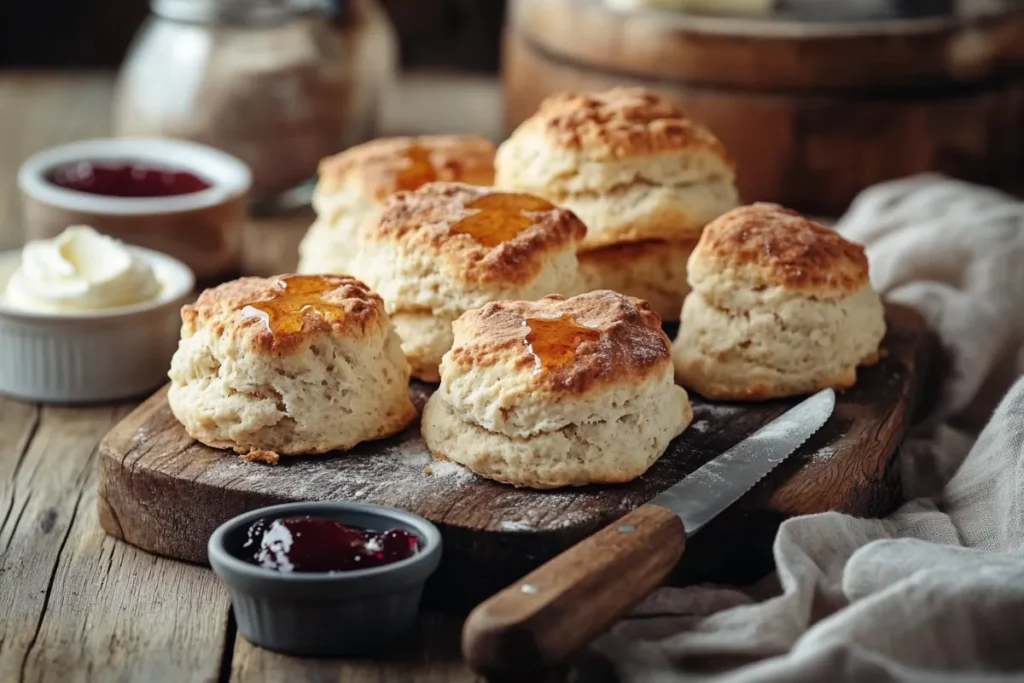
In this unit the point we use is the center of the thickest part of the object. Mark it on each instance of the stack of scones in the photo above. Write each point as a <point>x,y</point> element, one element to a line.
<point>530,284</point>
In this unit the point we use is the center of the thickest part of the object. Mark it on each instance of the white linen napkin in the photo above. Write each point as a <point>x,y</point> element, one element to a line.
<point>935,592</point>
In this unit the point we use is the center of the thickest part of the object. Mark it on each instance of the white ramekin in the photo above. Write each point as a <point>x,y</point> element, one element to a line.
<point>93,356</point>
<point>203,229</point>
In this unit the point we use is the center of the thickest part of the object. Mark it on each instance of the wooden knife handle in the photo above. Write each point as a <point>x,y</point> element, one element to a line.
<point>545,617</point>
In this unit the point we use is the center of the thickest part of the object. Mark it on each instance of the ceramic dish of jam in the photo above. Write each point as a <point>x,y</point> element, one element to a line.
<point>176,197</point>
<point>325,579</point>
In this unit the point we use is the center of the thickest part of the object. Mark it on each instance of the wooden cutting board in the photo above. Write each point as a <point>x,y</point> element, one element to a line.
<point>164,492</point>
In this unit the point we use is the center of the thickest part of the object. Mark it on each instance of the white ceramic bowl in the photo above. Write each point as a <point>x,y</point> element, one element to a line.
<point>93,356</point>
<point>203,229</point>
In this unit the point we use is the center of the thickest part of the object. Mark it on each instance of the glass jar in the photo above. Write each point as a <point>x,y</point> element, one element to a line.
<point>278,83</point>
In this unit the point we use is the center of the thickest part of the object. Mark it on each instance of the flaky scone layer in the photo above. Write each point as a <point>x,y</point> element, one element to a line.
<point>494,376</point>
<point>628,162</point>
<point>780,306</point>
<point>324,377</point>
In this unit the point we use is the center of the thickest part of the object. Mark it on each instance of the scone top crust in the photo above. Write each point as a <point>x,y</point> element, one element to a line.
<point>511,236</point>
<point>581,344</point>
<point>618,124</point>
<point>384,166</point>
<point>767,245</point>
<point>279,315</point>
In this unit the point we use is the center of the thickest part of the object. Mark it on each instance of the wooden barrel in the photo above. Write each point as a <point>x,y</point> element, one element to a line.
<point>812,111</point>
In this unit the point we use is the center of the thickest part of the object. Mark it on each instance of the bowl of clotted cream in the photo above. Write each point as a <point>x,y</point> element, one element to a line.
<point>173,196</point>
<point>86,318</point>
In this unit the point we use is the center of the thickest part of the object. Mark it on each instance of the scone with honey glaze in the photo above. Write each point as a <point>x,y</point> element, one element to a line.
<point>446,248</point>
<point>292,364</point>
<point>654,270</point>
<point>780,306</point>
<point>353,184</point>
<point>558,392</point>
<point>628,162</point>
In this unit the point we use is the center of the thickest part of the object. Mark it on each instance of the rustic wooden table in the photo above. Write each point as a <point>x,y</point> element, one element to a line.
<point>78,605</point>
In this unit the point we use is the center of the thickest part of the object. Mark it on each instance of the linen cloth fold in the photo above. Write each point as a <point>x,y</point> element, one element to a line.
<point>935,592</point>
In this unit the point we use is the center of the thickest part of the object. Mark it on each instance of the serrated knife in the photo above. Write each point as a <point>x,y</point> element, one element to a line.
<point>543,618</point>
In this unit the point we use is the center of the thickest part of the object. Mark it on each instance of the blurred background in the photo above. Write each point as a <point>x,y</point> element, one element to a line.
<point>461,34</point>
<point>815,99</point>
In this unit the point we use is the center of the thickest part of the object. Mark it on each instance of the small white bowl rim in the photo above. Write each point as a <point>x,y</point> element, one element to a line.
<point>228,176</point>
<point>179,285</point>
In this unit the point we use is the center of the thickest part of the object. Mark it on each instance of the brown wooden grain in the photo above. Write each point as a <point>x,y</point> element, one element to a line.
<point>127,614</point>
<point>429,655</point>
<point>541,620</point>
<point>49,480</point>
<point>21,610</point>
<point>166,493</point>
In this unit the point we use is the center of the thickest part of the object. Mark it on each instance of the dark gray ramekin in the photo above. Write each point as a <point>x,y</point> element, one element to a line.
<point>322,614</point>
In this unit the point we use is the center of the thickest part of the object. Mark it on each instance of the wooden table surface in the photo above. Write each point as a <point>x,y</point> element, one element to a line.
<point>78,605</point>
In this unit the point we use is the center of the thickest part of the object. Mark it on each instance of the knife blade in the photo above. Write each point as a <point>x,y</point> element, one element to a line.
<point>545,617</point>
<point>708,491</point>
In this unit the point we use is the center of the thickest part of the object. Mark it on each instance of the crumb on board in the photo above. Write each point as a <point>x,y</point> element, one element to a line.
<point>428,470</point>
<point>261,456</point>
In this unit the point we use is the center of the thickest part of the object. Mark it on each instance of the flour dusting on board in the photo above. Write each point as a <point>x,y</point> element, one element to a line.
<point>823,454</point>
<point>716,412</point>
<point>390,472</point>
<point>448,469</point>
<point>410,453</point>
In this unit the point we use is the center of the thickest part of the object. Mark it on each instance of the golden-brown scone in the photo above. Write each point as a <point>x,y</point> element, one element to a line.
<point>729,7</point>
<point>628,162</point>
<point>291,364</point>
<point>557,392</point>
<point>654,270</point>
<point>353,184</point>
<point>780,306</point>
<point>446,248</point>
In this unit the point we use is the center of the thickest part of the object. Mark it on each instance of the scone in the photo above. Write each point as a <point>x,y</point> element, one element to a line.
<point>291,364</point>
<point>654,271</point>
<point>780,306</point>
<point>629,163</point>
<point>730,7</point>
<point>354,183</point>
<point>558,392</point>
<point>446,248</point>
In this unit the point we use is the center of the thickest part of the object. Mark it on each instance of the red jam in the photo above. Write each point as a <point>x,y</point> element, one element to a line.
<point>125,179</point>
<point>317,544</point>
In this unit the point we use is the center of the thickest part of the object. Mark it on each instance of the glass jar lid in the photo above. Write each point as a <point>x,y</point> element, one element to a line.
<point>238,11</point>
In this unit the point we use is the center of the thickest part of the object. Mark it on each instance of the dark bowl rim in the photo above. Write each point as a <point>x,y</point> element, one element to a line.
<point>219,555</point>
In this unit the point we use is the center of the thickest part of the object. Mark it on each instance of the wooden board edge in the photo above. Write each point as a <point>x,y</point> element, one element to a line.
<point>895,427</point>
<point>112,445</point>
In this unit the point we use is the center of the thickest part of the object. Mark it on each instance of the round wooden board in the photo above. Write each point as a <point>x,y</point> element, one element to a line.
<point>165,493</point>
<point>775,53</point>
